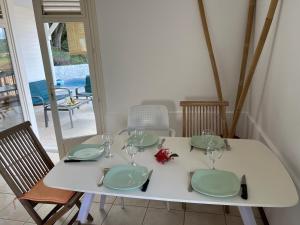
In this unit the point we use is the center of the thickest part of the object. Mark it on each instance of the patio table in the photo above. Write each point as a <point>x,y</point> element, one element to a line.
<point>269,184</point>
<point>65,107</point>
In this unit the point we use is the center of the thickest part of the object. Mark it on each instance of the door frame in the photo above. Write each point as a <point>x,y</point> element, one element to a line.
<point>21,81</point>
<point>88,18</point>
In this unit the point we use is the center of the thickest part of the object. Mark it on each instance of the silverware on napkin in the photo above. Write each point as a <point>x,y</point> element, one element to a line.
<point>78,160</point>
<point>145,185</point>
<point>190,188</point>
<point>244,191</point>
<point>227,145</point>
<point>100,182</point>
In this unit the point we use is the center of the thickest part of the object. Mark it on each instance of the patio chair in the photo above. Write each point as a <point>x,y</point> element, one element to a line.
<point>87,89</point>
<point>23,164</point>
<point>203,115</point>
<point>154,118</point>
<point>40,96</point>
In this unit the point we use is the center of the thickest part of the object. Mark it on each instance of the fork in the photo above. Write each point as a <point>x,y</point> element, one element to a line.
<point>159,146</point>
<point>105,170</point>
<point>190,188</point>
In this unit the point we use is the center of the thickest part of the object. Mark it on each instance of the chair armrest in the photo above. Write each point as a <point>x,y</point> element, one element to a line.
<point>65,89</point>
<point>40,98</point>
<point>172,132</point>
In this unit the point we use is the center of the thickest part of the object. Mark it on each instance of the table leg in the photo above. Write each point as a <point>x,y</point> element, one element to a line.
<point>85,207</point>
<point>46,117</point>
<point>247,215</point>
<point>71,120</point>
<point>102,201</point>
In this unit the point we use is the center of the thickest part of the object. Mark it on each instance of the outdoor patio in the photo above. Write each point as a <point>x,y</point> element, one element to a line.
<point>83,120</point>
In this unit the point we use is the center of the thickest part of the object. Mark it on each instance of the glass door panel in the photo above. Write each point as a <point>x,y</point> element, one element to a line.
<point>71,81</point>
<point>10,107</point>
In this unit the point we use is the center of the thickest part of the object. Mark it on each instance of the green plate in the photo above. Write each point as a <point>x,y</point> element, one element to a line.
<point>215,183</point>
<point>144,140</point>
<point>125,177</point>
<point>86,152</point>
<point>203,140</point>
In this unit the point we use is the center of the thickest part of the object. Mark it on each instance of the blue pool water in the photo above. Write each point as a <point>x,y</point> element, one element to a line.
<point>72,83</point>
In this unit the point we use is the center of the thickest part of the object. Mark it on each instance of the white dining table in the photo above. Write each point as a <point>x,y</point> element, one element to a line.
<point>269,184</point>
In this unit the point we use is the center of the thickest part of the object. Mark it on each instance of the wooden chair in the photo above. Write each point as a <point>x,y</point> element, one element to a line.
<point>23,164</point>
<point>203,115</point>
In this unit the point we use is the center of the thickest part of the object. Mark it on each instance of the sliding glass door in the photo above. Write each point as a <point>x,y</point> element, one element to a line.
<point>10,107</point>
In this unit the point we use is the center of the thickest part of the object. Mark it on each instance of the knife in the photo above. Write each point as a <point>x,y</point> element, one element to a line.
<point>145,185</point>
<point>244,191</point>
<point>78,160</point>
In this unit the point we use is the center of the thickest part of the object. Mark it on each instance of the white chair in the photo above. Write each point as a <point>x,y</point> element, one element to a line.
<point>153,118</point>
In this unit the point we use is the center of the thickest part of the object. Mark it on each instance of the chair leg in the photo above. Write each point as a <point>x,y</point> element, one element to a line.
<point>102,201</point>
<point>73,219</point>
<point>89,217</point>
<point>226,209</point>
<point>184,206</point>
<point>122,203</point>
<point>46,117</point>
<point>56,216</point>
<point>85,207</point>
<point>168,206</point>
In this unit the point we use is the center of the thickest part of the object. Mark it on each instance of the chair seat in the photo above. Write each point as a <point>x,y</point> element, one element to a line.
<point>41,193</point>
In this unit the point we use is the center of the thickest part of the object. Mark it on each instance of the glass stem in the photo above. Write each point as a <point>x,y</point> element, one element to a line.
<point>213,164</point>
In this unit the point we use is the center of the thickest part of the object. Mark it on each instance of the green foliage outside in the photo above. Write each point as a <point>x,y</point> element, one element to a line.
<point>3,46</point>
<point>62,56</point>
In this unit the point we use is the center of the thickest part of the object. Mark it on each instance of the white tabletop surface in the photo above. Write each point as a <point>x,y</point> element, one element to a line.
<point>269,184</point>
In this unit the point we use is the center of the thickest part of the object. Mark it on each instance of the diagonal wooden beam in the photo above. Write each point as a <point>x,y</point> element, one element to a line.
<point>257,54</point>
<point>212,61</point>
<point>250,20</point>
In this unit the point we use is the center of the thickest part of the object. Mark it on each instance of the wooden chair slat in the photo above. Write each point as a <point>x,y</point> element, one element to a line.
<point>203,115</point>
<point>28,159</point>
<point>24,163</point>
<point>37,161</point>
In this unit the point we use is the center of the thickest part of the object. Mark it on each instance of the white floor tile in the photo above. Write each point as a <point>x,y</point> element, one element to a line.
<point>216,209</point>
<point>5,200</point>
<point>235,220</point>
<point>99,215</point>
<point>132,202</point>
<point>19,213</point>
<point>10,222</point>
<point>129,216</point>
<point>163,217</point>
<point>192,218</point>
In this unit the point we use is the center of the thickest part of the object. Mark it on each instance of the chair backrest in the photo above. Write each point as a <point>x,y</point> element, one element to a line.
<point>148,117</point>
<point>203,115</point>
<point>87,86</point>
<point>23,161</point>
<point>39,88</point>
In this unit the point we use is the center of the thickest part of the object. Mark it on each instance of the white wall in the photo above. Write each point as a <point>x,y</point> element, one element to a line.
<point>155,52</point>
<point>25,33</point>
<point>274,106</point>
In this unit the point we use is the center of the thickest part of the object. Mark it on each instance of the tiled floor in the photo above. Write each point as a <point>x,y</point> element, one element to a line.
<point>136,212</point>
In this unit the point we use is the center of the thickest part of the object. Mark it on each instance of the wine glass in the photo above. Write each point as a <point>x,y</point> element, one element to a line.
<point>131,151</point>
<point>213,152</point>
<point>138,137</point>
<point>108,141</point>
